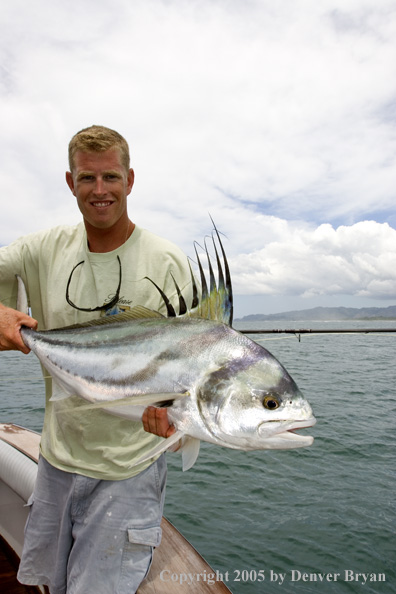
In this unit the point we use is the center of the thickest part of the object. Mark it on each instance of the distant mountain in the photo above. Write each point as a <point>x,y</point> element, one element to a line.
<point>328,314</point>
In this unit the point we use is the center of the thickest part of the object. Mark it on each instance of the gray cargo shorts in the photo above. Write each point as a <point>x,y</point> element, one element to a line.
<point>85,535</point>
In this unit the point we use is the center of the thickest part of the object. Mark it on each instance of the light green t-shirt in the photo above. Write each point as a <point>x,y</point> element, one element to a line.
<point>93,443</point>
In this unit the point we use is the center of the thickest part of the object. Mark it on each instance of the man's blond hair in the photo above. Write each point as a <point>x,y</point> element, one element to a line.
<point>98,139</point>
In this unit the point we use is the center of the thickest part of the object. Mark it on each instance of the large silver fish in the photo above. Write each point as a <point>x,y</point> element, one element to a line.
<point>219,386</point>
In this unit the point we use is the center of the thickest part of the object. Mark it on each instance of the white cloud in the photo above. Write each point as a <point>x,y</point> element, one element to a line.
<point>357,260</point>
<point>274,117</point>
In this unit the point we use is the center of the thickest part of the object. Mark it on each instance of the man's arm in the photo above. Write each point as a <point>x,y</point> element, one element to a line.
<point>11,321</point>
<point>12,262</point>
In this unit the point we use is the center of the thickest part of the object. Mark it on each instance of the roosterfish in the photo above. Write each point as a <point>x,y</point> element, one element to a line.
<point>218,385</point>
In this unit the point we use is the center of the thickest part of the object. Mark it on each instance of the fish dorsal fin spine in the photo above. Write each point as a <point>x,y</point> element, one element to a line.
<point>214,303</point>
<point>169,307</point>
<point>182,302</point>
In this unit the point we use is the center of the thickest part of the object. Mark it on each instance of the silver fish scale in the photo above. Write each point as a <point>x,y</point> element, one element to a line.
<point>146,356</point>
<point>141,356</point>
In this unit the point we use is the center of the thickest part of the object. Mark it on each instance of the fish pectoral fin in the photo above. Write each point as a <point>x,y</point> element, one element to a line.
<point>58,392</point>
<point>160,448</point>
<point>157,399</point>
<point>162,399</point>
<point>190,452</point>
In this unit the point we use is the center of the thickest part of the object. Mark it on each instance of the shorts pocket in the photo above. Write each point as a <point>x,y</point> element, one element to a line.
<point>145,536</point>
<point>137,557</point>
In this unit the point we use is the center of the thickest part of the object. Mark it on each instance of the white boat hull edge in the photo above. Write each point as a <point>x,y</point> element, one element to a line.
<point>17,478</point>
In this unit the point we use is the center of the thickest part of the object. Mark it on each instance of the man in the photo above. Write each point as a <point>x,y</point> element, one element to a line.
<point>94,521</point>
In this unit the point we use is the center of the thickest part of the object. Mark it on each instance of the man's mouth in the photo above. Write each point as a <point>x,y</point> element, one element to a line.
<point>102,204</point>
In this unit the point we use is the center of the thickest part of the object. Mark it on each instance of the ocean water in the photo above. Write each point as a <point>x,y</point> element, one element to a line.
<point>318,519</point>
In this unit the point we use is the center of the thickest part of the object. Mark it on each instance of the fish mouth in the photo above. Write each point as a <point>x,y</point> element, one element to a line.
<point>285,436</point>
<point>291,433</point>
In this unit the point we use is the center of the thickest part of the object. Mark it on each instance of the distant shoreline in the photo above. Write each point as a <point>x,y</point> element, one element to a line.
<point>327,314</point>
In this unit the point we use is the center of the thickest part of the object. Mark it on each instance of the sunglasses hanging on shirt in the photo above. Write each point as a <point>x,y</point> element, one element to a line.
<point>103,307</point>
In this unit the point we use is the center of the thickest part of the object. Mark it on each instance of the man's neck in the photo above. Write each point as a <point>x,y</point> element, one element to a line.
<point>107,240</point>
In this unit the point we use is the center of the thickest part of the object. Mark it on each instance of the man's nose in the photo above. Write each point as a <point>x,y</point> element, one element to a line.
<point>100,186</point>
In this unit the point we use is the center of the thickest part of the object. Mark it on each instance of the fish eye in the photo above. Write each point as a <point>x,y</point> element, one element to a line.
<point>271,402</point>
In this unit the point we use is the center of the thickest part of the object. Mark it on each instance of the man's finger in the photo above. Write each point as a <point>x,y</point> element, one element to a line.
<point>155,420</point>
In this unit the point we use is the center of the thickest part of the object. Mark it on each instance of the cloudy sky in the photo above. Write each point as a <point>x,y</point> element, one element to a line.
<point>277,117</point>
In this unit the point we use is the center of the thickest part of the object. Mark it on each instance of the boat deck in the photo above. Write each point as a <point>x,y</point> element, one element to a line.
<point>8,567</point>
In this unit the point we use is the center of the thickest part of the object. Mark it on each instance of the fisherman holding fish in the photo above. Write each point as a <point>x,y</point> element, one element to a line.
<point>97,505</point>
<point>94,517</point>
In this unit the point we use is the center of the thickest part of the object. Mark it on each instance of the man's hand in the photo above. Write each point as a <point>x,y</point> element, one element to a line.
<point>155,420</point>
<point>11,321</point>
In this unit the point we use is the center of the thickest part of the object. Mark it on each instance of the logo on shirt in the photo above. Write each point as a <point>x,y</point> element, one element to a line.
<point>122,305</point>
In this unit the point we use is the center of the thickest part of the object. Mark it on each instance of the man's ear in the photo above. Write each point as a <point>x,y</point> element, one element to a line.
<point>70,181</point>
<point>131,179</point>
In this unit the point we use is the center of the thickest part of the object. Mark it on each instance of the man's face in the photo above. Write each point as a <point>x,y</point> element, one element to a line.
<point>101,185</point>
